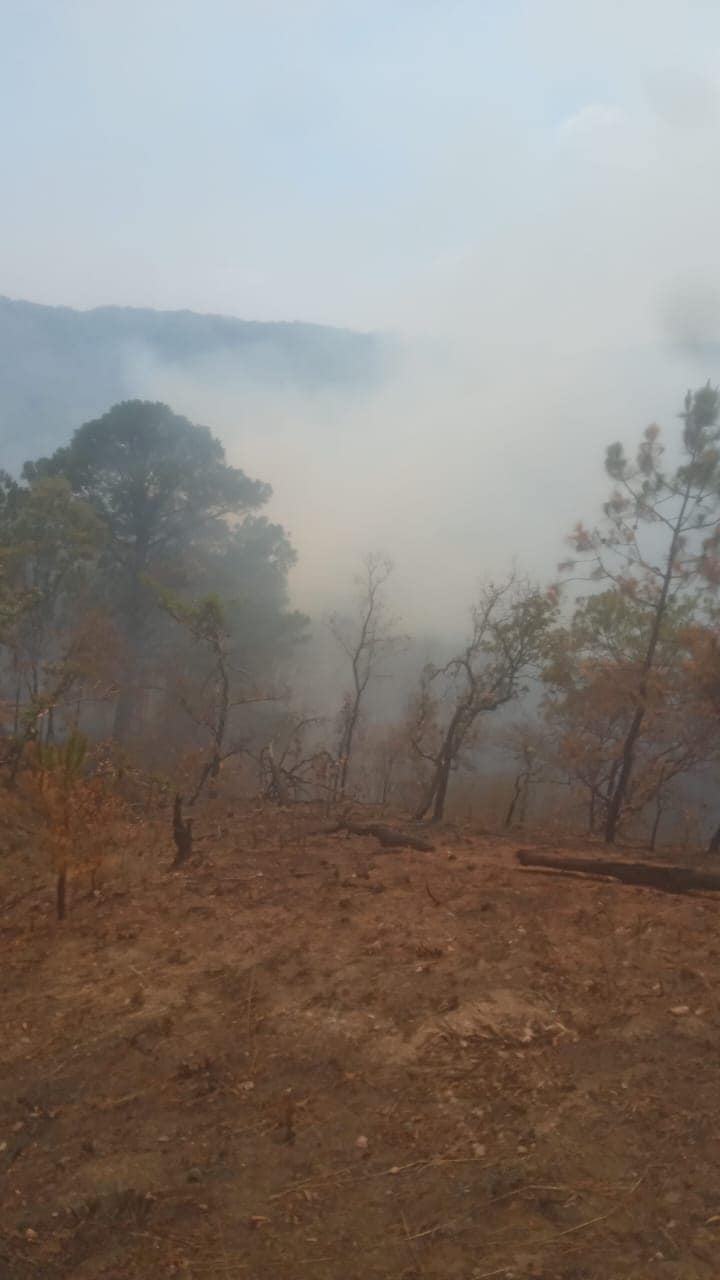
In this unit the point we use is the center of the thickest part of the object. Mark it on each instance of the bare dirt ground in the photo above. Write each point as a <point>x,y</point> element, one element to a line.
<point>302,1057</point>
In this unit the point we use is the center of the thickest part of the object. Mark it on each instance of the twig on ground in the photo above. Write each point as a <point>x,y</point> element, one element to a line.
<point>569,1231</point>
<point>419,1235</point>
<point>582,1226</point>
<point>298,1186</point>
<point>413,1251</point>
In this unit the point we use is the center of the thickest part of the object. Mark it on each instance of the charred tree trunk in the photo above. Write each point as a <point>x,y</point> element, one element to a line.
<point>668,879</point>
<point>436,794</point>
<point>278,788</point>
<point>659,811</point>
<point>29,735</point>
<point>388,837</point>
<point>441,789</point>
<point>617,799</point>
<point>211,769</point>
<point>182,833</point>
<point>16,755</point>
<point>205,773</point>
<point>617,795</point>
<point>519,787</point>
<point>346,748</point>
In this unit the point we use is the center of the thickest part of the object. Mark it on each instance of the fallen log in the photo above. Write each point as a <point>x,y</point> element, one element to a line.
<point>653,875</point>
<point>388,837</point>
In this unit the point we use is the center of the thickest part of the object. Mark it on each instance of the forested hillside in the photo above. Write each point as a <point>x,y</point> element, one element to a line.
<point>59,366</point>
<point>144,605</point>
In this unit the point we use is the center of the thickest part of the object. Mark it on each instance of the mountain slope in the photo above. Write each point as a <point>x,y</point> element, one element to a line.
<point>60,367</point>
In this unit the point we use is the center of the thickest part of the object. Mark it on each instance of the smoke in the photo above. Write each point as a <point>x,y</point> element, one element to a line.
<point>467,461</point>
<point>528,199</point>
<point>545,247</point>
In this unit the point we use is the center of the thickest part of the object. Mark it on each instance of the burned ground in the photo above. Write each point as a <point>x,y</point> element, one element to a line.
<point>301,1056</point>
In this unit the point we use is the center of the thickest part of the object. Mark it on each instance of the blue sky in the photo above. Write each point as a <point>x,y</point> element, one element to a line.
<point>338,161</point>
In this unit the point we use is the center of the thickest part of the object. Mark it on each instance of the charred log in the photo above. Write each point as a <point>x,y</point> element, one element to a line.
<point>667,879</point>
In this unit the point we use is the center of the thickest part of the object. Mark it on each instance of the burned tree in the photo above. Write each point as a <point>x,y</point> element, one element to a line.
<point>367,642</point>
<point>592,677</point>
<point>526,747</point>
<point>507,639</point>
<point>678,510</point>
<point>220,688</point>
<point>291,767</point>
<point>182,833</point>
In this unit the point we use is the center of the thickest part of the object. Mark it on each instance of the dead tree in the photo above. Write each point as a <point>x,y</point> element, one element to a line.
<point>182,833</point>
<point>210,708</point>
<point>524,744</point>
<point>288,769</point>
<point>520,787</point>
<point>277,788</point>
<point>509,628</point>
<point>367,643</point>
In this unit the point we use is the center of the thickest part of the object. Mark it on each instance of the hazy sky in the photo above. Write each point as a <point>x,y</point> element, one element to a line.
<point>534,185</point>
<point>362,161</point>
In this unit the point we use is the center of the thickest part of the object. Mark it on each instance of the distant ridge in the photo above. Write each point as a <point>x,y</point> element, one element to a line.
<point>60,366</point>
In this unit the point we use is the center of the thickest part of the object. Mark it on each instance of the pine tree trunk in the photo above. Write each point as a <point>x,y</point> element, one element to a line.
<point>617,798</point>
<point>514,799</point>
<point>182,833</point>
<point>617,795</point>
<point>441,788</point>
<point>656,827</point>
<point>347,746</point>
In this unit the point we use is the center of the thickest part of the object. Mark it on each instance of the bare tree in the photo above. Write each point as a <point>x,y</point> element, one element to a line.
<point>387,751</point>
<point>211,707</point>
<point>291,766</point>
<point>367,641</point>
<point>526,746</point>
<point>509,627</point>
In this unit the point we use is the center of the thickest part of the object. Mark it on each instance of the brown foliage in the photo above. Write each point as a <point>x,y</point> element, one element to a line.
<point>85,819</point>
